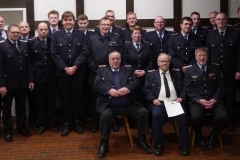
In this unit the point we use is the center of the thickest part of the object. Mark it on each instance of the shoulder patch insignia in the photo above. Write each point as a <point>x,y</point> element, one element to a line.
<point>215,64</point>
<point>175,69</point>
<point>127,66</point>
<point>101,66</point>
<point>151,70</point>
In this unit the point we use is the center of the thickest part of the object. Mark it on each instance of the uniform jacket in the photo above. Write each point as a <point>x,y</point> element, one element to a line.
<point>158,46</point>
<point>89,33</point>
<point>69,51</point>
<point>115,29</point>
<point>126,34</point>
<point>104,82</point>
<point>42,63</point>
<point>139,59</point>
<point>152,84</point>
<point>200,86</point>
<point>202,32</point>
<point>50,34</point>
<point>100,48</point>
<point>226,51</point>
<point>182,51</point>
<point>15,69</point>
<point>237,25</point>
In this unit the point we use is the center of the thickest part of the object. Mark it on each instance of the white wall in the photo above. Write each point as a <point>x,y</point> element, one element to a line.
<point>233,6</point>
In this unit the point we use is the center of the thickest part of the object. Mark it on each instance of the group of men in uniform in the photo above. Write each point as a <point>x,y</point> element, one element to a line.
<point>63,58</point>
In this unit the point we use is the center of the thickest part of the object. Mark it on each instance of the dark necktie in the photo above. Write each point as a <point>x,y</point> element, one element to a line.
<point>221,33</point>
<point>116,80</point>
<point>54,30</point>
<point>137,46</point>
<point>193,30</point>
<point>160,36</point>
<point>43,42</point>
<point>166,85</point>
<point>185,37</point>
<point>0,33</point>
<point>103,38</point>
<point>203,70</point>
<point>16,46</point>
<point>69,34</point>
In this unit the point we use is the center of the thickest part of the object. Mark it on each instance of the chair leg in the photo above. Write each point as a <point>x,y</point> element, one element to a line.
<point>220,140</point>
<point>193,136</point>
<point>127,129</point>
<point>175,126</point>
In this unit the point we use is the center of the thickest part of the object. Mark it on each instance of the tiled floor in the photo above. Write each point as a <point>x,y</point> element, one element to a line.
<point>85,146</point>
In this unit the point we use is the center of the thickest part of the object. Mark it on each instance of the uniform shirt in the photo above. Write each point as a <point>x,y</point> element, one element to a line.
<point>4,34</point>
<point>222,31</point>
<point>185,35</point>
<point>56,28</point>
<point>158,33</point>
<point>135,44</point>
<point>162,94</point>
<point>26,38</point>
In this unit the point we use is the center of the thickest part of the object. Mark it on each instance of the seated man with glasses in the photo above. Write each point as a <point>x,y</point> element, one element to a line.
<point>165,84</point>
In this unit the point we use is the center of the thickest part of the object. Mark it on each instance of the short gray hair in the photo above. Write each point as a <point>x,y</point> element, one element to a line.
<point>160,54</point>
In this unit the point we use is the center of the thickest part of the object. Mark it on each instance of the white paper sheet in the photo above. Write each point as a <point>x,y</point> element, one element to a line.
<point>173,108</point>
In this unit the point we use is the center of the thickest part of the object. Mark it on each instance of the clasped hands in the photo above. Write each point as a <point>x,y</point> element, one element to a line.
<point>118,93</point>
<point>156,102</point>
<point>207,104</point>
<point>139,73</point>
<point>70,70</point>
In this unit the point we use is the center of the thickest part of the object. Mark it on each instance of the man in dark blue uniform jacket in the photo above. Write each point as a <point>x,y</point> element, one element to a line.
<point>116,87</point>
<point>205,89</point>
<point>159,38</point>
<point>69,51</point>
<point>155,92</point>
<point>45,78</point>
<point>15,79</point>
<point>224,49</point>
<point>183,44</point>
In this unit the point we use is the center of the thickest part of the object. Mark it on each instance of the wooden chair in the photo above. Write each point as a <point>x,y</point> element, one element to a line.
<point>127,129</point>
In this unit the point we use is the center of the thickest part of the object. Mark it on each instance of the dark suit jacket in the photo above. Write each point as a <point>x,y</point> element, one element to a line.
<point>152,84</point>
<point>42,63</point>
<point>226,51</point>
<point>99,51</point>
<point>69,51</point>
<point>104,82</point>
<point>89,33</point>
<point>200,86</point>
<point>15,67</point>
<point>182,51</point>
<point>126,34</point>
<point>158,46</point>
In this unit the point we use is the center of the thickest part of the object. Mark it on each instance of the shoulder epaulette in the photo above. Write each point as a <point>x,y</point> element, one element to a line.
<point>127,42</point>
<point>127,66</point>
<point>235,29</point>
<point>211,30</point>
<point>151,70</point>
<point>123,28</point>
<point>101,66</point>
<point>175,69</point>
<point>235,24</point>
<point>31,38</point>
<point>215,64</point>
<point>97,26</point>
<point>118,26</point>
<point>146,42</point>
<point>2,41</point>
<point>116,34</point>
<point>23,41</point>
<point>174,34</point>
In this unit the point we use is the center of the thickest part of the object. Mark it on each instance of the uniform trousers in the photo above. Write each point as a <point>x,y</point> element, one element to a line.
<point>158,119</point>
<point>71,94</point>
<point>20,96</point>
<point>197,117</point>
<point>45,94</point>
<point>32,118</point>
<point>136,112</point>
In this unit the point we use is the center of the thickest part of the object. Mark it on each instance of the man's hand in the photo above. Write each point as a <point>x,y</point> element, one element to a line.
<point>179,100</point>
<point>156,102</point>
<point>203,102</point>
<point>123,91</point>
<point>31,86</point>
<point>3,91</point>
<point>237,76</point>
<point>211,103</point>
<point>113,92</point>
<point>138,73</point>
<point>184,68</point>
<point>71,70</point>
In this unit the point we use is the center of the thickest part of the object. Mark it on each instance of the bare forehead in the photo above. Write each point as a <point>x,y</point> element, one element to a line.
<point>42,25</point>
<point>221,15</point>
<point>110,13</point>
<point>23,24</point>
<point>105,21</point>
<point>159,18</point>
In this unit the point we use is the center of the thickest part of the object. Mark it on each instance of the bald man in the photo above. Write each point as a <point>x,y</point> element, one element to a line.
<point>158,44</point>
<point>44,76</point>
<point>24,29</point>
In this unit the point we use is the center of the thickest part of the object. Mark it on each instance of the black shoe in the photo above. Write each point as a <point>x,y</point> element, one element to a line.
<point>54,128</point>
<point>8,137</point>
<point>142,144</point>
<point>66,130</point>
<point>211,143</point>
<point>231,126</point>
<point>33,124</point>
<point>158,150</point>
<point>24,132</point>
<point>184,150</point>
<point>201,144</point>
<point>1,131</point>
<point>95,128</point>
<point>103,149</point>
<point>78,128</point>
<point>41,130</point>
<point>115,127</point>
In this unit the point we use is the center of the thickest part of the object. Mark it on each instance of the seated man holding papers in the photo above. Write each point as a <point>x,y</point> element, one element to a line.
<point>165,84</point>
<point>205,89</point>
